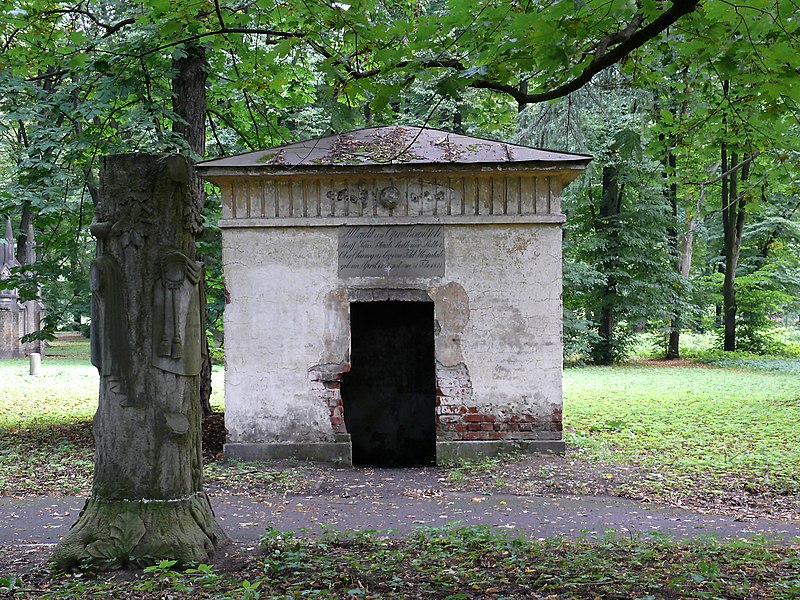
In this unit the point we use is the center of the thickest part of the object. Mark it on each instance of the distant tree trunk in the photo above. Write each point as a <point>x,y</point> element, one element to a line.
<point>686,246</point>
<point>189,103</point>
<point>674,342</point>
<point>147,498</point>
<point>733,217</point>
<point>604,351</point>
<point>22,238</point>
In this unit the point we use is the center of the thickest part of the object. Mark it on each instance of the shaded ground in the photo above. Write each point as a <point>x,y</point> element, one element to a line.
<point>734,495</point>
<point>738,496</point>
<point>411,556</point>
<point>537,497</point>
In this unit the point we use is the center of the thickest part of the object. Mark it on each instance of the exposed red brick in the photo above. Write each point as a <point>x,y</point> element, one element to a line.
<point>473,418</point>
<point>487,427</point>
<point>473,409</point>
<point>489,418</point>
<point>473,426</point>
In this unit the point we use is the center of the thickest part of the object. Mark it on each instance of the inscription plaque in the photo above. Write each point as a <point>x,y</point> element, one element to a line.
<point>391,251</point>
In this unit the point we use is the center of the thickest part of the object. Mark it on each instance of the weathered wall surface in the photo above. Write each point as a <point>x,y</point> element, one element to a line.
<point>498,336</point>
<point>505,383</point>
<point>378,196</point>
<point>276,329</point>
<point>18,319</point>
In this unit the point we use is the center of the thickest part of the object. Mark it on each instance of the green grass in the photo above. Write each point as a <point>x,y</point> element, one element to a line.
<point>701,429</point>
<point>46,444</point>
<point>724,427</point>
<point>457,563</point>
<point>68,346</point>
<point>45,422</point>
<point>718,422</point>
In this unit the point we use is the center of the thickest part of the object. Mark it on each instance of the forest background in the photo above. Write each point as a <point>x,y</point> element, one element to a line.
<point>688,219</point>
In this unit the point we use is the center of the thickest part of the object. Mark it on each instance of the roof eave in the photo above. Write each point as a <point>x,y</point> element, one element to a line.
<point>574,167</point>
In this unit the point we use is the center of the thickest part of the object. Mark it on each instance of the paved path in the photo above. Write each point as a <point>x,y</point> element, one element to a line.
<point>42,520</point>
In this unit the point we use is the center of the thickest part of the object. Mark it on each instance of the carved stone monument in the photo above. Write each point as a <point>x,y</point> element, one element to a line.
<point>18,318</point>
<point>147,325</point>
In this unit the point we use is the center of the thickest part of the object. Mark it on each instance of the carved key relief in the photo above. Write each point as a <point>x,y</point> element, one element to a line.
<point>415,198</point>
<point>178,308</point>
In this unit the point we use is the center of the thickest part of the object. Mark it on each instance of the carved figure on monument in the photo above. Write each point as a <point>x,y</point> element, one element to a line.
<point>109,327</point>
<point>178,314</point>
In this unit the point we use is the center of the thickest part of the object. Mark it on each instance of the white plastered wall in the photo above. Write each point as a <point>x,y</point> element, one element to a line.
<point>288,314</point>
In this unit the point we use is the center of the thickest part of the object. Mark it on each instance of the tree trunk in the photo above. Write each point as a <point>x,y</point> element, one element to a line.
<point>25,225</point>
<point>147,498</point>
<point>733,217</point>
<point>604,351</point>
<point>674,342</point>
<point>189,103</point>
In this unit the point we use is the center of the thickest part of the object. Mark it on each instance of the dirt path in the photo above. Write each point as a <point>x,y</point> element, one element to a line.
<point>405,499</point>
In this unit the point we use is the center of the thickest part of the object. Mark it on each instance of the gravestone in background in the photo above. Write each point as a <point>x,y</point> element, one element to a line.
<point>147,499</point>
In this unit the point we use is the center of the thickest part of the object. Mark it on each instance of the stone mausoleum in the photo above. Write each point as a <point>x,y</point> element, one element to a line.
<point>394,297</point>
<point>18,317</point>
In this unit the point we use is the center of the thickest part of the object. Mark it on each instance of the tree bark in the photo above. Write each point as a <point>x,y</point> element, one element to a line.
<point>674,341</point>
<point>604,351</point>
<point>733,217</point>
<point>189,103</point>
<point>147,498</point>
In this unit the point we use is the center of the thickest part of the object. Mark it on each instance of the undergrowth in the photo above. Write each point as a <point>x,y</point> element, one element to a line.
<point>454,563</point>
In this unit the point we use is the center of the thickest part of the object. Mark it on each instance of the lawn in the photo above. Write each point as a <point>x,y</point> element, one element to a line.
<point>682,432</point>
<point>46,444</point>
<point>698,422</point>
<point>727,428</point>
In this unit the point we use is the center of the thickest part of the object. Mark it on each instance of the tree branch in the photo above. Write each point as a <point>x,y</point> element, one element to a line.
<point>624,42</point>
<point>629,40</point>
<point>736,167</point>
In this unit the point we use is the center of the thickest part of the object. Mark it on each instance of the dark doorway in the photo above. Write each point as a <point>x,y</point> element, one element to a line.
<point>389,395</point>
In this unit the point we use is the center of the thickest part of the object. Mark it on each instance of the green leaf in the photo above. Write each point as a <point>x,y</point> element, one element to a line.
<point>127,530</point>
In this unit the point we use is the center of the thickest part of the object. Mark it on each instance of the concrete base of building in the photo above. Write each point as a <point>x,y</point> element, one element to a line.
<point>341,452</point>
<point>457,451</point>
<point>335,452</point>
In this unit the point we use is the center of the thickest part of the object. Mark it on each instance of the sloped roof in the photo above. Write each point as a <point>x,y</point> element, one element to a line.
<point>396,145</point>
